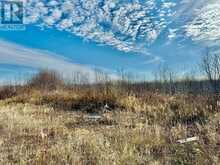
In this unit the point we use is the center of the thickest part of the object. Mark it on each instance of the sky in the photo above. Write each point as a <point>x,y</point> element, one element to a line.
<point>110,35</point>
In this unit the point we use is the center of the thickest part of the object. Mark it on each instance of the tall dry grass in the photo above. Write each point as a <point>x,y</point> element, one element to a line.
<point>41,125</point>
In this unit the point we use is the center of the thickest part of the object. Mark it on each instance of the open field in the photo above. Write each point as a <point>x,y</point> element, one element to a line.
<point>110,82</point>
<point>94,125</point>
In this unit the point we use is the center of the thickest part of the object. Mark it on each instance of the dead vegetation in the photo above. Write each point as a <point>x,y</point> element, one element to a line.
<point>54,123</point>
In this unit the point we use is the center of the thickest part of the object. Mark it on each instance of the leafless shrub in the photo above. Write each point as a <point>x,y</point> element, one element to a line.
<point>46,79</point>
<point>7,92</point>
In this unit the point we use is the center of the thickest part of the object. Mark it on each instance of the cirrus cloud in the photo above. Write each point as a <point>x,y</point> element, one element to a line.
<point>20,56</point>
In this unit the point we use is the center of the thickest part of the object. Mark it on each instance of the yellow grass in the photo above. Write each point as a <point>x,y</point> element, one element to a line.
<point>43,129</point>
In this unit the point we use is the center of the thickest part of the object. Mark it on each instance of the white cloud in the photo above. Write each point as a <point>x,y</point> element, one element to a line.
<point>14,54</point>
<point>117,23</point>
<point>125,25</point>
<point>205,26</point>
<point>172,34</point>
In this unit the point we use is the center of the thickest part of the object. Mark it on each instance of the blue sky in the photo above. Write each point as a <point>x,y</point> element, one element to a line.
<point>133,35</point>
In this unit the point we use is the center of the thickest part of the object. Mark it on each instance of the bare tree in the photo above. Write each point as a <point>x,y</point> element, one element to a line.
<point>211,66</point>
<point>101,76</point>
<point>167,78</point>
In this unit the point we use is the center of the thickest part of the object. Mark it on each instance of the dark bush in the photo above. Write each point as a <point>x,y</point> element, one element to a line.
<point>46,79</point>
<point>7,92</point>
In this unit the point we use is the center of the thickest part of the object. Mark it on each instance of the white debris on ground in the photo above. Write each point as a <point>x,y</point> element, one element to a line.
<point>191,139</point>
<point>93,117</point>
<point>106,107</point>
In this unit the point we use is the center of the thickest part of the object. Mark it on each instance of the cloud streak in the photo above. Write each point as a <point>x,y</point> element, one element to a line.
<point>13,54</point>
<point>127,25</point>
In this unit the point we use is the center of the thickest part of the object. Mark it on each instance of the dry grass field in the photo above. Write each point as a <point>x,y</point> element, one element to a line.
<point>105,125</point>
